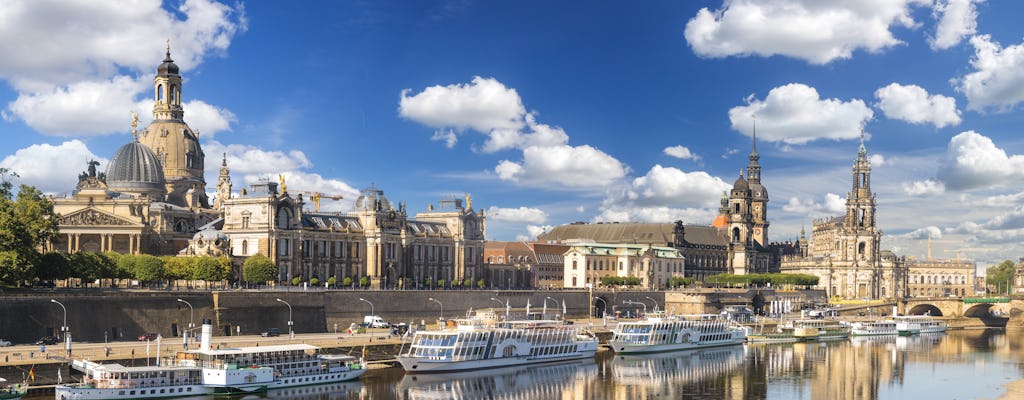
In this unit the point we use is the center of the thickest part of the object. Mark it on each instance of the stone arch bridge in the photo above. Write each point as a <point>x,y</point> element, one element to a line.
<point>971,307</point>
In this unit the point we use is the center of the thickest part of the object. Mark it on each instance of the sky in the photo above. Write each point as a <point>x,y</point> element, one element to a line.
<point>547,113</point>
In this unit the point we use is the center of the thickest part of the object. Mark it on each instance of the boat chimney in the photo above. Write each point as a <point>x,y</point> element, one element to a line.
<point>205,335</point>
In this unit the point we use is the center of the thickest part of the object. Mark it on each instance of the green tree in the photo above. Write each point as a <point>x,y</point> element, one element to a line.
<point>125,264</point>
<point>89,267</point>
<point>34,213</point>
<point>364,281</point>
<point>209,269</point>
<point>296,281</point>
<point>480,283</point>
<point>53,266</point>
<point>1000,277</point>
<point>314,281</point>
<point>25,225</point>
<point>331,281</point>
<point>468,282</point>
<point>178,267</point>
<point>258,269</point>
<point>16,267</point>
<point>347,282</point>
<point>149,269</point>
<point>440,283</point>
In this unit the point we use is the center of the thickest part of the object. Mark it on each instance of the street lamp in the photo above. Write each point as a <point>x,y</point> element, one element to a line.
<point>556,304</point>
<point>506,308</point>
<point>438,303</point>
<point>636,302</point>
<point>368,302</point>
<point>64,328</point>
<point>290,332</point>
<point>191,313</point>
<point>655,303</point>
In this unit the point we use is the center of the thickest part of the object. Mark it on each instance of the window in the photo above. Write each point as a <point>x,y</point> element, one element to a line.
<point>159,97</point>
<point>245,247</point>
<point>573,264</point>
<point>284,218</point>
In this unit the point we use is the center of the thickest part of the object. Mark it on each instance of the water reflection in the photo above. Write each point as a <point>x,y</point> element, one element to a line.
<point>537,382</point>
<point>958,364</point>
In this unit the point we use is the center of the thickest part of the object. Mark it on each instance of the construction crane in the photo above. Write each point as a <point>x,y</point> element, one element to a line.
<point>316,196</point>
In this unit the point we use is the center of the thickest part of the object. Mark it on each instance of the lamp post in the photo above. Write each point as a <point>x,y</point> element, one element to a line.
<point>506,307</point>
<point>438,303</point>
<point>368,302</point>
<point>636,302</point>
<point>64,328</point>
<point>552,299</point>
<point>291,333</point>
<point>191,313</point>
<point>655,303</point>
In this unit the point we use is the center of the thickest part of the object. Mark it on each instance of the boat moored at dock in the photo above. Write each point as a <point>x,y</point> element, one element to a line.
<point>873,328</point>
<point>684,332</point>
<point>915,324</point>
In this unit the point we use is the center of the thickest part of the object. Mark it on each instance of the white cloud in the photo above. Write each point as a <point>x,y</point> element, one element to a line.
<point>816,31</point>
<point>973,161</point>
<point>482,105</point>
<point>569,166</point>
<point>681,152</point>
<point>1002,201</point>
<point>50,168</point>
<point>998,78</point>
<point>927,187</point>
<point>671,186</point>
<point>91,60</point>
<point>447,136</point>
<point>923,233</point>
<point>661,214</point>
<point>521,214</point>
<point>796,114</point>
<point>252,160</point>
<point>913,104</point>
<point>957,19</point>
<point>830,204</point>
<point>536,230</point>
<point>876,160</point>
<point>301,182</point>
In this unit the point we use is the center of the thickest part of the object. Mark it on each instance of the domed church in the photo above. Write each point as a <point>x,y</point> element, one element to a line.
<point>152,198</point>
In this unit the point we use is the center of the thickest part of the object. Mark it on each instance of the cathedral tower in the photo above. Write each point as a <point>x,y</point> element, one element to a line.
<point>862,234</point>
<point>173,142</point>
<point>758,197</point>
<point>223,184</point>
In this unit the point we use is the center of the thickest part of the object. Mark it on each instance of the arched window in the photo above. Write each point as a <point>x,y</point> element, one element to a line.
<point>860,249</point>
<point>160,92</point>
<point>736,208</point>
<point>174,94</point>
<point>245,247</point>
<point>284,218</point>
<point>735,235</point>
<point>573,264</point>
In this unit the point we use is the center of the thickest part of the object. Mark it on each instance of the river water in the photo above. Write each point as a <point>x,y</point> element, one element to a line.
<point>956,365</point>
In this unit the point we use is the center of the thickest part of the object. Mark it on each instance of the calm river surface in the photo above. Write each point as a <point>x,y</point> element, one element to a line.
<point>956,365</point>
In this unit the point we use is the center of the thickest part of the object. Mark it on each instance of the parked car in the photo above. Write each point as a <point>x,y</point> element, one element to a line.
<point>48,340</point>
<point>271,332</point>
<point>5,343</point>
<point>148,336</point>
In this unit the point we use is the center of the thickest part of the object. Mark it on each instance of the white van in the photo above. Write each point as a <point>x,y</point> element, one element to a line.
<point>375,321</point>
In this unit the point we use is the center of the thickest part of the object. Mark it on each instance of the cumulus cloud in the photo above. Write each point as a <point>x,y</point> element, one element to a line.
<point>957,19</point>
<point>831,204</point>
<point>927,187</point>
<point>536,230</point>
<point>1001,201</point>
<point>301,182</point>
<point>668,185</point>
<point>796,114</point>
<point>998,78</point>
<point>815,31</point>
<point>973,161</point>
<point>252,160</point>
<point>91,61</point>
<point>520,214</point>
<point>923,233</point>
<point>699,216</point>
<point>487,106</point>
<point>876,160</point>
<point>52,168</point>
<point>913,104</point>
<point>681,152</point>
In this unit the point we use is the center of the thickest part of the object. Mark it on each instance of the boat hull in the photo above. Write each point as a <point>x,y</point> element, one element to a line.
<point>632,348</point>
<point>72,392</point>
<point>420,365</point>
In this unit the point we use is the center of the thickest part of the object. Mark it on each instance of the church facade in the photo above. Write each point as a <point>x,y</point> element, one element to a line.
<point>844,252</point>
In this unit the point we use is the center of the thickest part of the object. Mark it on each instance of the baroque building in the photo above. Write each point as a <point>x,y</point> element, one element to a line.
<point>844,252</point>
<point>587,263</point>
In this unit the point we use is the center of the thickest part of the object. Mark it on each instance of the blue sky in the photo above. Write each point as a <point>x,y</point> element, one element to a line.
<point>553,112</point>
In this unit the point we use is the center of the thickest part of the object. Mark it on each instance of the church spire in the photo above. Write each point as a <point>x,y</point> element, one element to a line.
<point>754,168</point>
<point>167,90</point>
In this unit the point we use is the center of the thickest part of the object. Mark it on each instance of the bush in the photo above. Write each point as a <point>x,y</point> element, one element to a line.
<point>347,281</point>
<point>481,284</point>
<point>331,281</point>
<point>364,281</point>
<point>296,281</point>
<point>314,281</point>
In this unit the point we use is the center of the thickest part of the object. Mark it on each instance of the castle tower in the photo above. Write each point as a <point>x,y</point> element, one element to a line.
<point>174,143</point>
<point>862,234</point>
<point>223,184</point>
<point>758,197</point>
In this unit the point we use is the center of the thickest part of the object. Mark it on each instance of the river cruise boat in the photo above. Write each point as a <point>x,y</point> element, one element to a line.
<point>11,392</point>
<point>915,324</point>
<point>873,328</point>
<point>209,371</point>
<point>818,329</point>
<point>468,344</point>
<point>685,332</point>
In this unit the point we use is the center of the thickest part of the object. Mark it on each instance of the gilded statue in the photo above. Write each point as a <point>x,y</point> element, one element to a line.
<point>284,187</point>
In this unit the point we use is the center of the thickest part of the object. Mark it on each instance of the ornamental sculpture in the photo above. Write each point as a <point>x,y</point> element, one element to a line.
<point>91,217</point>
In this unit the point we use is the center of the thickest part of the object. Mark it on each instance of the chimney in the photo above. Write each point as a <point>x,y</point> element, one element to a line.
<point>205,335</point>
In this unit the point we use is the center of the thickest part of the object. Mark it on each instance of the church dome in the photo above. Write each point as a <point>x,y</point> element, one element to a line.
<point>211,235</point>
<point>372,199</point>
<point>135,169</point>
<point>168,67</point>
<point>741,184</point>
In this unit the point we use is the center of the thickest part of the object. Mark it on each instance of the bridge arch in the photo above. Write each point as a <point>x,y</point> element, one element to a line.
<point>978,310</point>
<point>922,309</point>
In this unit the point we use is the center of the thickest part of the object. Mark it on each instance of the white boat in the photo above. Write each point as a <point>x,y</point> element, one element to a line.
<point>545,381</point>
<point>212,371</point>
<point>818,329</point>
<point>657,334</point>
<point>915,324</point>
<point>873,328</point>
<point>468,344</point>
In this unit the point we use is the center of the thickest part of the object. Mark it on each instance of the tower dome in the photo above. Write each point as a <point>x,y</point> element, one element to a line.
<point>136,170</point>
<point>372,199</point>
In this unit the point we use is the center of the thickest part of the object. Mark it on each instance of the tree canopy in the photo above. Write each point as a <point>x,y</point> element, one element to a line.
<point>259,269</point>
<point>1000,277</point>
<point>26,223</point>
